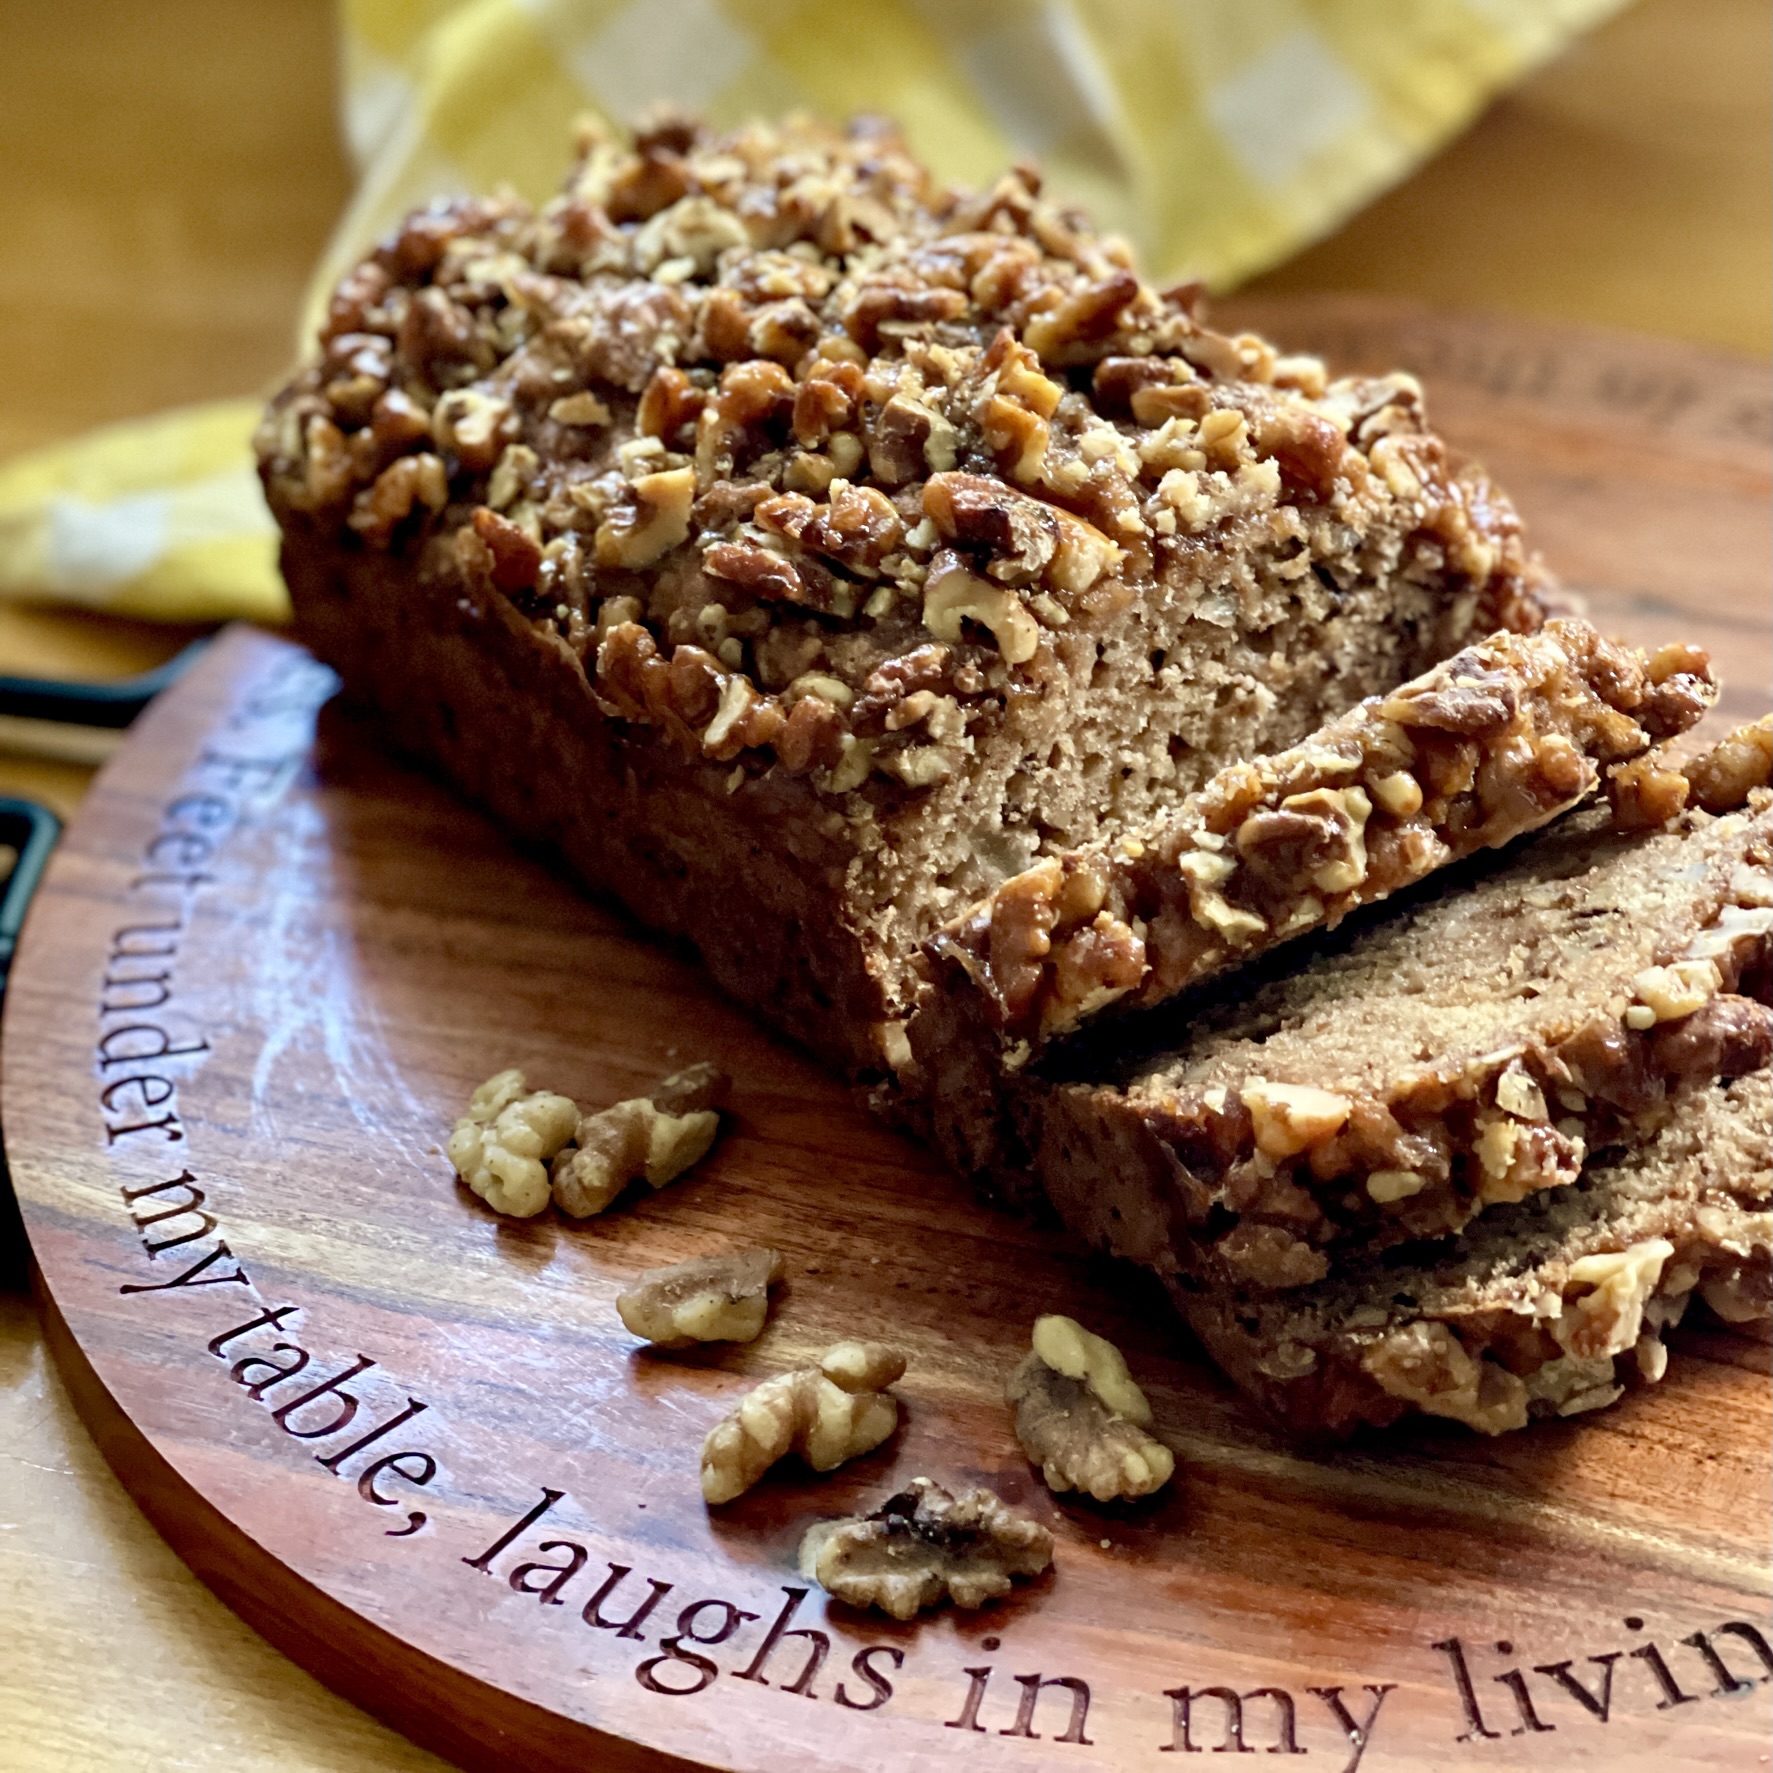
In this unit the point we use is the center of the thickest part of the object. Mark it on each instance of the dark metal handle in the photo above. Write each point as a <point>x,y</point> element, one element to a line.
<point>109,705</point>
<point>31,831</point>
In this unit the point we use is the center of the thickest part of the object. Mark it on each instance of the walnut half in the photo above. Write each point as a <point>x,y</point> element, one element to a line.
<point>500,1147</point>
<point>1081,1418</point>
<point>722,1298</point>
<point>655,1138</point>
<point>827,1414</point>
<point>925,1545</point>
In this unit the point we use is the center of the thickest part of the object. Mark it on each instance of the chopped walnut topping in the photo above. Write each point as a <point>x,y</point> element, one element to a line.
<point>1667,993</point>
<point>1646,792</point>
<point>1081,1418</point>
<point>1602,1310</point>
<point>474,425</point>
<point>636,535</point>
<point>1291,1118</point>
<point>952,595</point>
<point>514,556</point>
<point>654,1139</point>
<point>579,409</point>
<point>828,1414</point>
<point>782,364</point>
<point>1724,777</point>
<point>412,483</point>
<point>1426,1364</point>
<point>502,1145</point>
<point>924,1546</point>
<point>723,1298</point>
<point>1606,1317</point>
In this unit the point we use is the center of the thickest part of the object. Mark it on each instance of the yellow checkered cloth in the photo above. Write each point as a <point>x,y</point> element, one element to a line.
<point>1220,135</point>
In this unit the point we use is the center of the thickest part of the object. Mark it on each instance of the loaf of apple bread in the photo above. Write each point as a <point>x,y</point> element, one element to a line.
<point>800,548</point>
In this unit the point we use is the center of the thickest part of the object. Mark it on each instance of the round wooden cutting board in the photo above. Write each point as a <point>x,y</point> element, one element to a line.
<point>414,1446</point>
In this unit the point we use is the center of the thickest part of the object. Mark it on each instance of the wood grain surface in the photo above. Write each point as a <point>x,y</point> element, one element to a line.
<point>350,951</point>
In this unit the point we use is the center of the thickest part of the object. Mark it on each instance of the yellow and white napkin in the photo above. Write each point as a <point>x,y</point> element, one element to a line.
<point>1220,135</point>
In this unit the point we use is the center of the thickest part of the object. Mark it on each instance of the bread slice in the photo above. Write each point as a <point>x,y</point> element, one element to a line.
<point>1551,1306</point>
<point>1492,743</point>
<point>1464,1052</point>
<point>800,548</point>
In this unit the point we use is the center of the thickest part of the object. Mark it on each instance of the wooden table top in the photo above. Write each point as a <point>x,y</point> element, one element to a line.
<point>162,209</point>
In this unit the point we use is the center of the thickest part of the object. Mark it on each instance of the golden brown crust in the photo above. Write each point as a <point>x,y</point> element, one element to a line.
<point>809,415</point>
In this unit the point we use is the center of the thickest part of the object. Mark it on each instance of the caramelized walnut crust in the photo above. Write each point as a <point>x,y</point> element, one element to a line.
<point>1496,741</point>
<point>812,465</point>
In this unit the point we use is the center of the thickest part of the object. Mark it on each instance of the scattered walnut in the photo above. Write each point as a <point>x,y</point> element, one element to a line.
<point>500,1147</point>
<point>924,1545</point>
<point>722,1298</point>
<point>655,1138</point>
<point>828,1414</point>
<point>1081,1418</point>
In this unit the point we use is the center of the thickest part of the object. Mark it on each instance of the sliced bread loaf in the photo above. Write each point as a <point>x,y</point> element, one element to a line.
<point>1490,744</point>
<point>1465,1051</point>
<point>800,547</point>
<point>1551,1306</point>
